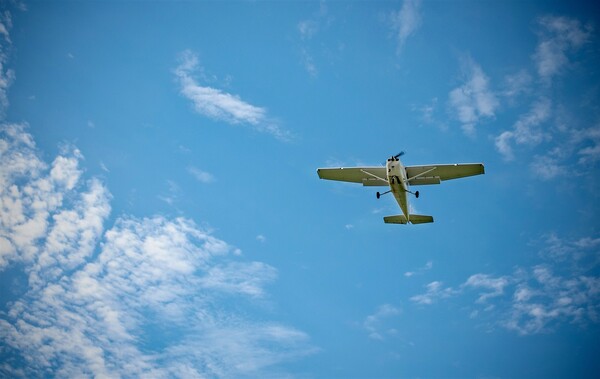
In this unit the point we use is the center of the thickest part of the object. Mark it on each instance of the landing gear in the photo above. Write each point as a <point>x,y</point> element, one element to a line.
<point>379,194</point>
<point>383,193</point>
<point>414,193</point>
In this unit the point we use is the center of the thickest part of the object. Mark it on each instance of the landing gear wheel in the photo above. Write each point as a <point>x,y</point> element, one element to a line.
<point>417,194</point>
<point>378,195</point>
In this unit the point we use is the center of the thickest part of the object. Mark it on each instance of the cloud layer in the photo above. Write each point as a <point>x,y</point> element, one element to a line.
<point>152,297</point>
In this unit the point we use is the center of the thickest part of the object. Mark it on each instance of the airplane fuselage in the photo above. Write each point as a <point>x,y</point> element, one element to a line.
<point>396,176</point>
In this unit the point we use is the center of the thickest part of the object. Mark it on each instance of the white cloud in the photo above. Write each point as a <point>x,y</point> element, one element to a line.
<point>308,62</point>
<point>557,37</point>
<point>428,111</point>
<point>587,242</point>
<point>406,21</point>
<point>435,291</point>
<point>219,105</point>
<point>589,141</point>
<point>240,278</point>
<point>547,167</point>
<point>5,26</point>
<point>428,114</point>
<point>590,154</point>
<point>153,299</point>
<point>527,130</point>
<point>494,285</point>
<point>562,250</point>
<point>377,324</point>
<point>533,300</point>
<point>34,209</point>
<point>473,101</point>
<point>308,29</point>
<point>428,266</point>
<point>173,193</point>
<point>544,299</point>
<point>516,84</point>
<point>563,141</point>
<point>7,75</point>
<point>200,175</point>
<point>103,167</point>
<point>503,145</point>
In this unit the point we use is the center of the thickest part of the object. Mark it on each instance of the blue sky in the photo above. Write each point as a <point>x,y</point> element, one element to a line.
<point>161,215</point>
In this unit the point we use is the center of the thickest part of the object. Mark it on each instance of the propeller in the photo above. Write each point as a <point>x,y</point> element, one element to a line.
<point>395,157</point>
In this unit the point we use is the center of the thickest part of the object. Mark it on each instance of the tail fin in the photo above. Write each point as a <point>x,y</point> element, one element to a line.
<point>413,219</point>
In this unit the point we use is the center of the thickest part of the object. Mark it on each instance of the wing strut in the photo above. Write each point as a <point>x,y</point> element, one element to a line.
<point>373,175</point>
<point>421,174</point>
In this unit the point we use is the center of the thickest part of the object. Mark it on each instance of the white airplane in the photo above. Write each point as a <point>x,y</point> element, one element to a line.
<point>398,177</point>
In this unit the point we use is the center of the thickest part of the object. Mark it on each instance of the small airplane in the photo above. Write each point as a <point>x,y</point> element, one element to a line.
<point>398,177</point>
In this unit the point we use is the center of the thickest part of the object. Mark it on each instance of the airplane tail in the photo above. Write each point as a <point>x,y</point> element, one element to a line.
<point>413,219</point>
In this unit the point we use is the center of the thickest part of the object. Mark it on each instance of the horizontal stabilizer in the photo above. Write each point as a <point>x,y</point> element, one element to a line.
<point>413,219</point>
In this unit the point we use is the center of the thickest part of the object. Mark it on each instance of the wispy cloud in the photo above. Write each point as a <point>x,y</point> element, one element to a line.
<point>516,84</point>
<point>147,297</point>
<point>7,75</point>
<point>405,22</point>
<point>527,130</point>
<point>473,101</point>
<point>588,141</point>
<point>548,166</point>
<point>308,29</point>
<point>201,175</point>
<point>429,114</point>
<point>494,286</point>
<point>533,300</point>
<point>543,299</point>
<point>556,139</point>
<point>435,291</point>
<point>557,37</point>
<point>308,62</point>
<point>219,105</point>
<point>172,194</point>
<point>378,324</point>
<point>428,266</point>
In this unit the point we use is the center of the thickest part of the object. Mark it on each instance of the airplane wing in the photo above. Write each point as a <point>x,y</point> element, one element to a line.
<point>368,176</point>
<point>434,174</point>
